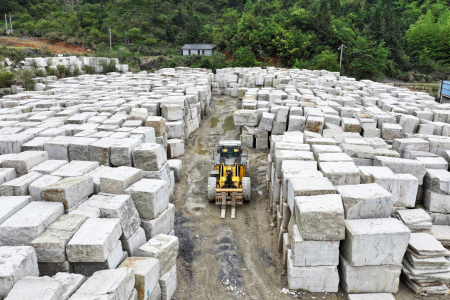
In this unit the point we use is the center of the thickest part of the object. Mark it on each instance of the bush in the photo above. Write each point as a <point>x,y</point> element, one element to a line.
<point>327,60</point>
<point>6,79</point>
<point>245,58</point>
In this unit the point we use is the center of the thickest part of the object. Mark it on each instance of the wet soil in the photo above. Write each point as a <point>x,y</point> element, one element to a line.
<point>230,258</point>
<point>41,43</point>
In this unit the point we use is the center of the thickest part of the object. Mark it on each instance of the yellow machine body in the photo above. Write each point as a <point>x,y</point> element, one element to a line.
<point>238,172</point>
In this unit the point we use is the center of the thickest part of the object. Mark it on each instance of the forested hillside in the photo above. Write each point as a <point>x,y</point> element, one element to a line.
<point>402,39</point>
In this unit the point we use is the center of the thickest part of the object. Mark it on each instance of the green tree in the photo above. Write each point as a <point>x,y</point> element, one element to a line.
<point>327,60</point>
<point>368,58</point>
<point>245,58</point>
<point>135,34</point>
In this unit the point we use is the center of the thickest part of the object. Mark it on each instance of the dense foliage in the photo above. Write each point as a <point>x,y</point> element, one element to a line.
<point>402,39</point>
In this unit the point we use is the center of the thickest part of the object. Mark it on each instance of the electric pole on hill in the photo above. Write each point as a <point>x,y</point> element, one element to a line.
<point>110,44</point>
<point>10,23</point>
<point>340,61</point>
<point>6,22</point>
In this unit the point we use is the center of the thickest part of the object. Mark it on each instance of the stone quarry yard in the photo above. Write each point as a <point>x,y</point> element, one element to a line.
<point>230,258</point>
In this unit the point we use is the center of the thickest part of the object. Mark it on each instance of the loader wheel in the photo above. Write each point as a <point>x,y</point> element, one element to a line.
<point>212,188</point>
<point>246,189</point>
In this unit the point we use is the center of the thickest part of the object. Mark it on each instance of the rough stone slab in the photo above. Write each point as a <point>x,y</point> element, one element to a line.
<point>334,157</point>
<point>175,148</point>
<point>245,117</point>
<point>163,224</point>
<point>371,242</point>
<point>69,283</point>
<point>42,288</point>
<point>158,123</point>
<point>150,196</point>
<point>433,162</point>
<point>402,166</point>
<point>168,283</point>
<point>24,161</point>
<point>313,253</point>
<point>156,294</point>
<point>321,279</point>
<point>149,157</point>
<point>28,223</point>
<point>19,186</point>
<point>425,244</point>
<point>135,241</point>
<point>50,269</point>
<point>97,173</point>
<point>320,218</point>
<point>121,152</point>
<point>146,274</point>
<point>119,179</point>
<point>287,176</point>
<point>76,168</point>
<point>340,173</point>
<point>70,191</point>
<point>122,207</point>
<point>16,263</point>
<point>281,155</point>
<point>58,147</point>
<point>437,181</point>
<point>365,201</point>
<point>7,174</point>
<point>35,188</point>
<point>369,279</point>
<point>373,296</point>
<point>115,284</point>
<point>50,245</point>
<point>36,144</point>
<point>91,207</point>
<point>435,202</point>
<point>9,205</point>
<point>49,166</point>
<point>94,240</point>
<point>115,257</point>
<point>163,247</point>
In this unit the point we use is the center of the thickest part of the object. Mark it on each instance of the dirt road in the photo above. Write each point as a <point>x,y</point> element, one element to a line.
<point>228,258</point>
<point>41,43</point>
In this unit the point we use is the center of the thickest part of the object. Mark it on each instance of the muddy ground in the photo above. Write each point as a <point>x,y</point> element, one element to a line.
<point>41,43</point>
<point>229,258</point>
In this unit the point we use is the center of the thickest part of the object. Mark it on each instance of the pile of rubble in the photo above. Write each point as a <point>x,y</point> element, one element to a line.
<point>357,177</point>
<point>86,180</point>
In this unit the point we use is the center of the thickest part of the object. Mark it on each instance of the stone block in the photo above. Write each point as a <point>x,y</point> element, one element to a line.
<point>108,284</point>
<point>79,148</point>
<point>175,148</point>
<point>100,151</point>
<point>433,162</point>
<point>266,121</point>
<point>119,179</point>
<point>437,181</point>
<point>135,241</point>
<point>150,196</point>
<point>50,269</point>
<point>351,125</point>
<point>175,130</point>
<point>318,149</point>
<point>310,187</point>
<point>50,245</point>
<point>410,144</point>
<point>94,240</point>
<point>121,207</point>
<point>163,224</point>
<point>147,134</point>
<point>372,242</point>
<point>281,155</point>
<point>115,257</point>
<point>49,166</point>
<point>313,253</point>
<point>434,202</point>
<point>365,201</point>
<point>369,279</point>
<point>42,288</point>
<point>320,218</point>
<point>70,191</point>
<point>371,296</point>
<point>402,166</point>
<point>391,131</point>
<point>69,283</point>
<point>245,117</point>
<point>76,168</point>
<point>409,123</point>
<point>121,152</point>
<point>172,112</point>
<point>10,205</point>
<point>19,186</point>
<point>340,173</point>
<point>158,123</point>
<point>168,283</point>
<point>140,114</point>
<point>35,188</point>
<point>58,147</point>
<point>334,157</point>
<point>146,274</point>
<point>21,262</point>
<point>321,279</point>
<point>24,161</point>
<point>176,165</point>
<point>164,248</point>
<point>36,144</point>
<point>28,223</point>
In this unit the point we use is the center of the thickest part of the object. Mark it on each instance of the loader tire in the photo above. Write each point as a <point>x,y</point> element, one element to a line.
<point>246,189</point>
<point>212,189</point>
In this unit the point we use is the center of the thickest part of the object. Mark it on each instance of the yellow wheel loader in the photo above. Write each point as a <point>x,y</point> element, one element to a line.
<point>229,183</point>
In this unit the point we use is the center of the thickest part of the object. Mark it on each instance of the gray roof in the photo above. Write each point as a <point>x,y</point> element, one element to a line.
<point>198,47</point>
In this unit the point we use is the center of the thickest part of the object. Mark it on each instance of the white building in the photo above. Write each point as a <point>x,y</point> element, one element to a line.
<point>199,49</point>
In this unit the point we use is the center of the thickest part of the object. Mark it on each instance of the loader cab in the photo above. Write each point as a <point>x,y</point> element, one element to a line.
<point>230,151</point>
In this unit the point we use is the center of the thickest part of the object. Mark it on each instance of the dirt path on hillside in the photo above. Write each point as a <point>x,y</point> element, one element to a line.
<point>42,44</point>
<point>229,258</point>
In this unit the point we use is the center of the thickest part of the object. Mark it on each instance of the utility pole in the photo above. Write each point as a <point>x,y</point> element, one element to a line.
<point>6,22</point>
<point>10,23</point>
<point>110,43</point>
<point>340,61</point>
